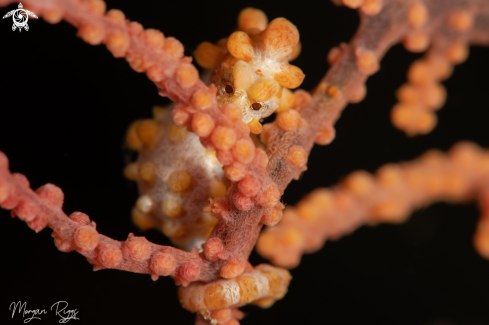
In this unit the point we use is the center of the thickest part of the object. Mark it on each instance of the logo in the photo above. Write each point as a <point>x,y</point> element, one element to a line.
<point>20,17</point>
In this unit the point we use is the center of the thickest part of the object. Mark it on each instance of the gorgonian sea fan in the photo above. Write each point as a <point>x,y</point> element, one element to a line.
<point>364,145</point>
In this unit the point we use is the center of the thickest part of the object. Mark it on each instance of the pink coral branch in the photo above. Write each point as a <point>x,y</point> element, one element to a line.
<point>43,208</point>
<point>388,196</point>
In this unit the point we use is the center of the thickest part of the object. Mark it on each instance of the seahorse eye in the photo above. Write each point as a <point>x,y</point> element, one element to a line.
<point>256,106</point>
<point>229,89</point>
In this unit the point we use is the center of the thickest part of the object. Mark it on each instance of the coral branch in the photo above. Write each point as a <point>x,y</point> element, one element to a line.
<point>43,208</point>
<point>459,25</point>
<point>389,196</point>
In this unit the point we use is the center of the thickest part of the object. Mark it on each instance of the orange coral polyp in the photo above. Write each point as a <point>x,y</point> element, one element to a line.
<point>244,151</point>
<point>271,217</point>
<point>288,120</point>
<point>110,256</point>
<point>416,42</point>
<point>203,99</point>
<point>270,197</point>
<point>242,202</point>
<point>116,16</point>
<point>173,47</point>
<point>187,75</point>
<point>212,248</point>
<point>233,112</point>
<point>371,7</point>
<point>232,268</point>
<point>326,136</point>
<point>457,53</point>
<point>117,44</point>
<point>417,15</point>
<point>53,16</point>
<point>353,4</point>
<point>223,138</point>
<point>367,61</point>
<point>139,248</point>
<point>461,21</point>
<point>163,264</point>
<point>189,272</point>
<point>97,7</point>
<point>86,238</point>
<point>235,172</point>
<point>92,34</point>
<point>297,156</point>
<point>154,38</point>
<point>202,124</point>
<point>249,186</point>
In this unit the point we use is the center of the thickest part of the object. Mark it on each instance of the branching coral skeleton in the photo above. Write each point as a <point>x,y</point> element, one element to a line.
<point>257,179</point>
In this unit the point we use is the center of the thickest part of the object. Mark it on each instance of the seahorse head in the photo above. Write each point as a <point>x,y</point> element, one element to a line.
<point>251,68</point>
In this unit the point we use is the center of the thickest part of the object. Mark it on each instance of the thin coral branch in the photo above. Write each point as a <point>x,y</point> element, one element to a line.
<point>43,208</point>
<point>388,196</point>
<point>458,26</point>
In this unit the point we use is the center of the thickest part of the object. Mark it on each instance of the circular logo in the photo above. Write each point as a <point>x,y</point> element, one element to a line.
<point>20,18</point>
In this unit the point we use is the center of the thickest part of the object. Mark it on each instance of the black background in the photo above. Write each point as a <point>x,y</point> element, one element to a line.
<point>64,109</point>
